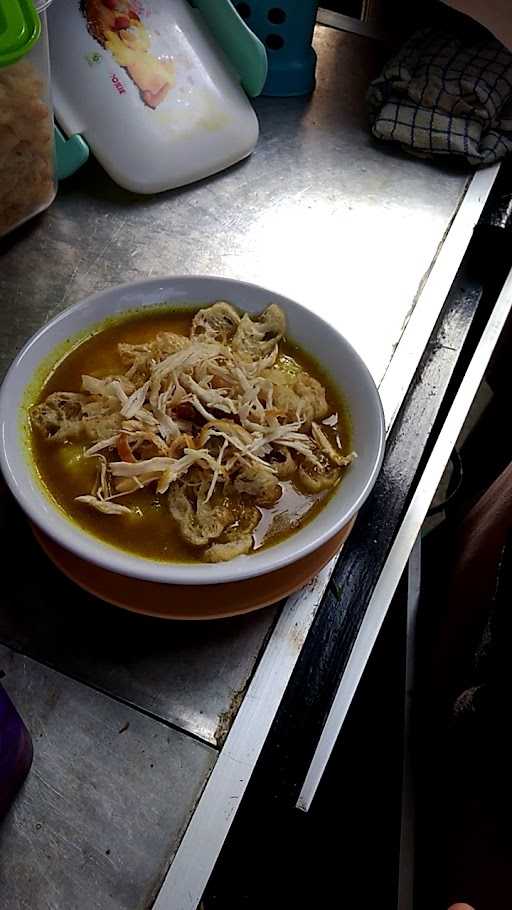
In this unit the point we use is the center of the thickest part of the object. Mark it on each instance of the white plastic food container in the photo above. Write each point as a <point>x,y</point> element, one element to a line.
<point>27,149</point>
<point>148,87</point>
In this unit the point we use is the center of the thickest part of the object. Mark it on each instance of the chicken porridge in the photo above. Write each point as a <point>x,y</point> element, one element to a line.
<point>190,435</point>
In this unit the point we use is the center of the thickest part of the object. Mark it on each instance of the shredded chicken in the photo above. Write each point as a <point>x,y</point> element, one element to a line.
<point>108,508</point>
<point>217,421</point>
<point>327,447</point>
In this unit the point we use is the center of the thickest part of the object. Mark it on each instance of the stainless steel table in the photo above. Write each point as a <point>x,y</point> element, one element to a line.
<point>143,728</point>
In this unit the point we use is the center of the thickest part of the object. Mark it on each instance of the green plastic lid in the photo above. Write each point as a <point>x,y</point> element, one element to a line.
<point>20,28</point>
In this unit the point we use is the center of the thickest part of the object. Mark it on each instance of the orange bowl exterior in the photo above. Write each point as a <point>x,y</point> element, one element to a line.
<point>191,601</point>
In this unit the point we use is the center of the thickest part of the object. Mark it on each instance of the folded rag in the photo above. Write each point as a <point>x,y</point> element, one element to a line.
<point>443,94</point>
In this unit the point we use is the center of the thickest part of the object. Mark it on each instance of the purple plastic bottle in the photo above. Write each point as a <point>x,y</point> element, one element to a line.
<point>15,752</point>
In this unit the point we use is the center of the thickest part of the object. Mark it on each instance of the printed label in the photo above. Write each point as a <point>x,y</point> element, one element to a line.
<point>118,85</point>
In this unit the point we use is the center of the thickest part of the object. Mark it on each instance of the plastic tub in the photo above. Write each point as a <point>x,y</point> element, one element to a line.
<point>27,148</point>
<point>286,29</point>
<point>15,752</point>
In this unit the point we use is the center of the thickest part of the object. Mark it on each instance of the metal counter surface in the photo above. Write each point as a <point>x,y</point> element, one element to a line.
<point>320,213</point>
<point>105,804</point>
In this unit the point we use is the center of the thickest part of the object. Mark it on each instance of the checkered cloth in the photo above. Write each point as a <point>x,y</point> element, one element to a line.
<point>446,95</point>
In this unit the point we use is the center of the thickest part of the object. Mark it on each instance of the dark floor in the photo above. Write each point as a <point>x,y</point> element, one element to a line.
<point>348,843</point>
<point>464,849</point>
<point>359,800</point>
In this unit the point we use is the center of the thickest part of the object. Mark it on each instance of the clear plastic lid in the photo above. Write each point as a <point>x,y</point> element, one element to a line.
<point>148,88</point>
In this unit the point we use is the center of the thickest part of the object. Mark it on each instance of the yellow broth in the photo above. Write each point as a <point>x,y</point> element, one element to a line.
<point>152,532</point>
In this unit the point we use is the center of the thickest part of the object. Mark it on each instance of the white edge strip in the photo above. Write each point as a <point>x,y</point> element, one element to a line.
<point>432,297</point>
<point>408,817</point>
<point>198,852</point>
<point>404,541</point>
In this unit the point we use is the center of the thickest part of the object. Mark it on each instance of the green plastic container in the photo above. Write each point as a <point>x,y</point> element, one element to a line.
<point>27,150</point>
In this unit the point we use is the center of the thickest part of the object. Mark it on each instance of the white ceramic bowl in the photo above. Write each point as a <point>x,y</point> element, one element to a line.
<point>338,358</point>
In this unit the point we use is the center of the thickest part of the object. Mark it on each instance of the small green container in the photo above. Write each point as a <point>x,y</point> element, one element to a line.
<point>27,150</point>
